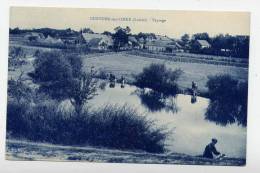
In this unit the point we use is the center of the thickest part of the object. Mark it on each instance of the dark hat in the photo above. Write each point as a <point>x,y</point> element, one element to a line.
<point>214,140</point>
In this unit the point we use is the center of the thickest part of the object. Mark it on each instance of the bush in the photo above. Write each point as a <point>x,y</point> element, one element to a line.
<point>112,127</point>
<point>16,57</point>
<point>18,90</point>
<point>123,128</point>
<point>17,52</point>
<point>16,124</point>
<point>158,78</point>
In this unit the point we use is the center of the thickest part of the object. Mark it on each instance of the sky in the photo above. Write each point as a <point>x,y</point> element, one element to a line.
<point>171,23</point>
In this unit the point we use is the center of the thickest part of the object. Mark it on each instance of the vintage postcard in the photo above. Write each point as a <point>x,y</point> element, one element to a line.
<point>128,86</point>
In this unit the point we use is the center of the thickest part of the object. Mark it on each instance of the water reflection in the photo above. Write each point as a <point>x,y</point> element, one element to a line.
<point>224,113</point>
<point>221,112</point>
<point>156,101</point>
<point>193,99</point>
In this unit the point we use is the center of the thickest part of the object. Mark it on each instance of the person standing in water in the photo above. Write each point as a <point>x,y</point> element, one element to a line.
<point>92,70</point>
<point>122,82</point>
<point>194,88</point>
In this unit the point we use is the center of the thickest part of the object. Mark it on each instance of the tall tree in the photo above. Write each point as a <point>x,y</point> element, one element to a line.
<point>201,36</point>
<point>185,39</point>
<point>62,77</point>
<point>121,37</point>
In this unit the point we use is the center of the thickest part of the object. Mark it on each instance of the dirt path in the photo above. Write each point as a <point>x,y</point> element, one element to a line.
<point>21,150</point>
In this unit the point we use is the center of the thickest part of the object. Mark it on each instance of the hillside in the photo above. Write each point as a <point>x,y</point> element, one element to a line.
<point>17,150</point>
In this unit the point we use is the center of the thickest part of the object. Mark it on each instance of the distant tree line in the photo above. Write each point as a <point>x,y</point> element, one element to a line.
<point>47,31</point>
<point>221,45</point>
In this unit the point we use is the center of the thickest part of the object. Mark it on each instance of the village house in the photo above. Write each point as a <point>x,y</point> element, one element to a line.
<point>163,46</point>
<point>141,42</point>
<point>51,40</point>
<point>203,44</point>
<point>133,43</point>
<point>75,39</point>
<point>98,41</point>
<point>159,43</point>
<point>33,36</point>
<point>98,44</point>
<point>156,46</point>
<point>174,47</point>
<point>158,38</point>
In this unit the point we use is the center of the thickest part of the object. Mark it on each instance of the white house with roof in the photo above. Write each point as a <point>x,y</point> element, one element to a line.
<point>133,42</point>
<point>158,38</point>
<point>167,46</point>
<point>156,46</point>
<point>33,36</point>
<point>141,42</point>
<point>160,43</point>
<point>52,40</point>
<point>203,44</point>
<point>98,41</point>
<point>98,44</point>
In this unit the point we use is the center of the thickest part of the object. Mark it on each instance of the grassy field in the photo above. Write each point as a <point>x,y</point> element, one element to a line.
<point>21,150</point>
<point>127,65</point>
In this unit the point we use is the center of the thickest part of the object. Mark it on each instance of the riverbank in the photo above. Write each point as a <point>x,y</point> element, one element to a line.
<point>23,150</point>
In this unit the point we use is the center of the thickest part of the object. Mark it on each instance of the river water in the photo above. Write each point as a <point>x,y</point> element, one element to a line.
<point>189,131</point>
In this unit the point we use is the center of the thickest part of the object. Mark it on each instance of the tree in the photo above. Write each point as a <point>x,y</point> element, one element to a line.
<point>201,36</point>
<point>83,88</point>
<point>17,53</point>
<point>15,31</point>
<point>18,90</point>
<point>87,30</point>
<point>158,78</point>
<point>62,77</point>
<point>218,43</point>
<point>120,37</point>
<point>107,33</point>
<point>52,72</point>
<point>141,35</point>
<point>222,45</point>
<point>185,40</point>
<point>17,57</point>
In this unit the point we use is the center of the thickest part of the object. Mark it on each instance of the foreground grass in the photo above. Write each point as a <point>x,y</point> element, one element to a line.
<point>22,150</point>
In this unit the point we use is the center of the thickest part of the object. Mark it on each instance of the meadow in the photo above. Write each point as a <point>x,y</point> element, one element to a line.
<point>128,65</point>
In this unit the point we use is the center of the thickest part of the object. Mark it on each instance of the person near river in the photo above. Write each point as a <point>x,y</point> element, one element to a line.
<point>122,82</point>
<point>210,149</point>
<point>194,88</point>
<point>112,80</point>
